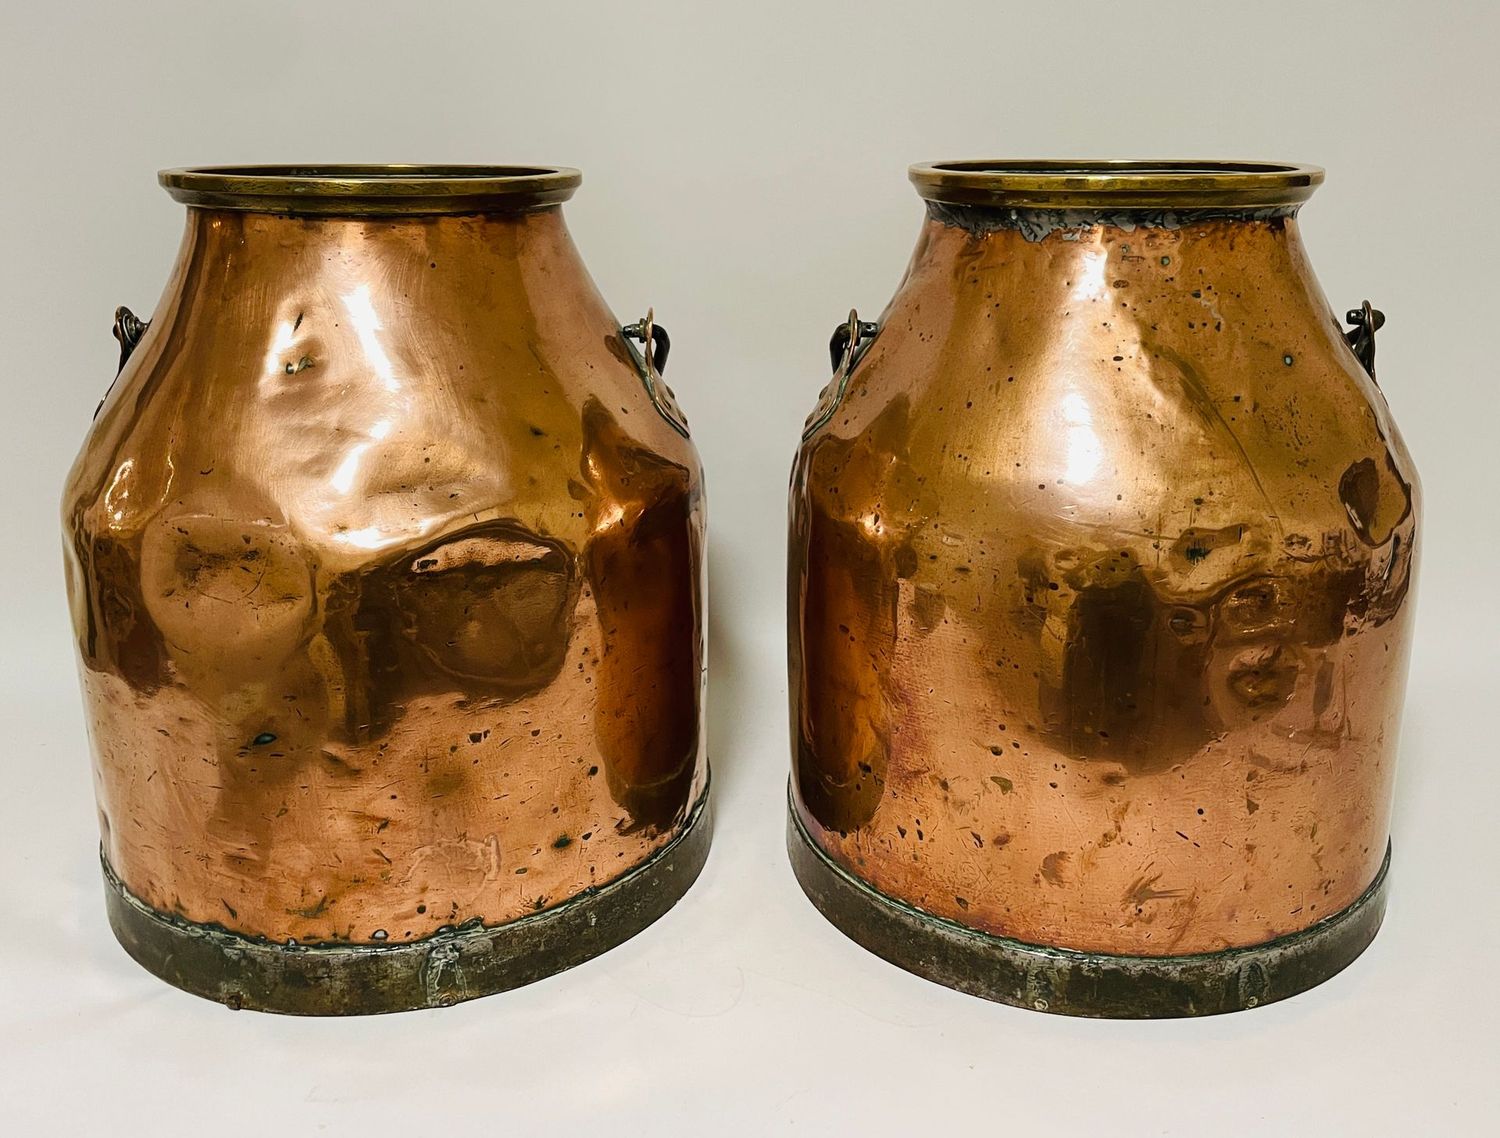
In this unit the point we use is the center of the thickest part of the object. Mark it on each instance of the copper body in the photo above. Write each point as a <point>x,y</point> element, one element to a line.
<point>1100,582</point>
<point>385,568</point>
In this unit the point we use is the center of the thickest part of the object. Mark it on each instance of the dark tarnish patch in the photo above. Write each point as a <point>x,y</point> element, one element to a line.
<point>1054,865</point>
<point>444,783</point>
<point>928,607</point>
<point>1039,224</point>
<point>1376,506</point>
<point>905,559</point>
<point>1131,685</point>
<point>1359,490</point>
<point>1195,545</point>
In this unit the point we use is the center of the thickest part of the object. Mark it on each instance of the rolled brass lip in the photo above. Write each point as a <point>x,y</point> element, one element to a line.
<point>371,190</point>
<point>1116,184</point>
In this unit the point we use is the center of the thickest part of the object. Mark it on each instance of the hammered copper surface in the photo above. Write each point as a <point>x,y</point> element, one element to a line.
<point>1100,589</point>
<point>385,571</point>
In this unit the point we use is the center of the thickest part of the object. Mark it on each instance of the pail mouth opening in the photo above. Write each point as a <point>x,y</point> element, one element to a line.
<point>371,190</point>
<point>1116,183</point>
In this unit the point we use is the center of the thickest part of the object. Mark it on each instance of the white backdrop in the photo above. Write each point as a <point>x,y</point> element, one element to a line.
<point>744,172</point>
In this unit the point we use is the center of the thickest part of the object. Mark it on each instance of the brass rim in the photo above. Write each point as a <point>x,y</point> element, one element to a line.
<point>1116,184</point>
<point>373,190</point>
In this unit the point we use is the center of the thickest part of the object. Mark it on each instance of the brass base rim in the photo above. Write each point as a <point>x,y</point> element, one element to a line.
<point>437,971</point>
<point>1068,982</point>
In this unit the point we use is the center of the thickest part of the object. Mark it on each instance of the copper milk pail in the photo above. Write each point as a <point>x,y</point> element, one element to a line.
<point>1102,540</point>
<point>385,563</point>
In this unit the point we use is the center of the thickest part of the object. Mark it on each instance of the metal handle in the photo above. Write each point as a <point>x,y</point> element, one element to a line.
<point>655,342</point>
<point>1367,320</point>
<point>129,328</point>
<point>849,338</point>
<point>848,343</point>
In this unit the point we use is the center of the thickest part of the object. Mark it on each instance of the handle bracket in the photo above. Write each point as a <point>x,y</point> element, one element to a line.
<point>1366,321</point>
<point>656,345</point>
<point>128,329</point>
<point>845,348</point>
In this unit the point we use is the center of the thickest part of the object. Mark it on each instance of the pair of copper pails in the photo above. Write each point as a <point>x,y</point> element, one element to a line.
<point>385,558</point>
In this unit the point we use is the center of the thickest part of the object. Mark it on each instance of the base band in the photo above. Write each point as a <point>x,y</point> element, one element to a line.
<point>1082,983</point>
<point>461,964</point>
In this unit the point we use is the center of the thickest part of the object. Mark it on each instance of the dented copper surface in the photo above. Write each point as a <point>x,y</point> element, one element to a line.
<point>385,559</point>
<point>1100,571</point>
